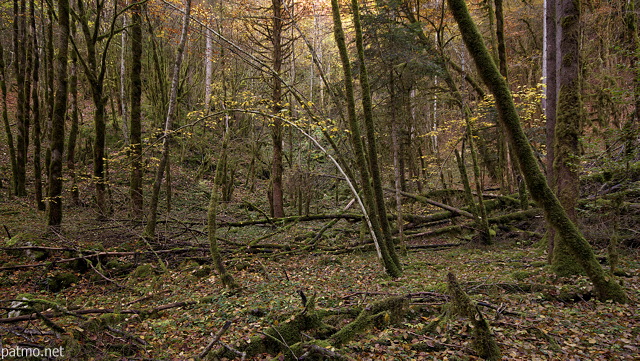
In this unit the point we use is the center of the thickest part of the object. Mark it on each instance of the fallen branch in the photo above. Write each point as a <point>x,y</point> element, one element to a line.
<point>50,314</point>
<point>102,254</point>
<point>216,338</point>
<point>437,204</point>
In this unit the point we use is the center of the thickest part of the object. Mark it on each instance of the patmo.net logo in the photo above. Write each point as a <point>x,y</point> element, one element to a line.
<point>20,352</point>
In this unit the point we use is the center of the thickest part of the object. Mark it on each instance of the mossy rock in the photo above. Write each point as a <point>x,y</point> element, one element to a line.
<point>60,281</point>
<point>202,271</point>
<point>520,275</point>
<point>143,271</point>
<point>329,261</point>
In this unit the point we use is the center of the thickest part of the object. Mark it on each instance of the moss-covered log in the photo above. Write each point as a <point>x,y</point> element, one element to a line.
<point>461,305</point>
<point>605,286</point>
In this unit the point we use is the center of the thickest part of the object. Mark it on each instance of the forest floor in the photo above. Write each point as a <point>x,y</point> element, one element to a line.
<point>544,328</point>
<point>527,325</point>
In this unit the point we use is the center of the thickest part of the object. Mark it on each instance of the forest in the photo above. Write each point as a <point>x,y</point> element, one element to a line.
<point>319,180</point>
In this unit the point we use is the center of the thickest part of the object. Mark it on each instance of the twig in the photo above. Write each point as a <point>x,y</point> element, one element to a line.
<point>105,277</point>
<point>216,338</point>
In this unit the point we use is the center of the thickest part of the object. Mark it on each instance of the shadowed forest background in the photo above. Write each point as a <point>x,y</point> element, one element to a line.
<point>320,180</point>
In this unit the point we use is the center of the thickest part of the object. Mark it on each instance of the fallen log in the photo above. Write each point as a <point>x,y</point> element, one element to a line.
<point>101,254</point>
<point>50,314</point>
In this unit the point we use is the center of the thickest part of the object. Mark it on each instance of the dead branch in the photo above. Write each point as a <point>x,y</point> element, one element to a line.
<point>102,254</point>
<point>216,338</point>
<point>50,314</point>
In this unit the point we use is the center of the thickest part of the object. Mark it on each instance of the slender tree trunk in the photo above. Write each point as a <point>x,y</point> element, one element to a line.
<point>550,101</point>
<point>569,113</point>
<point>369,126</point>
<point>5,120</point>
<point>123,79</point>
<point>22,112</point>
<point>37,136</point>
<point>208,67</point>
<point>75,126</point>
<point>225,276</point>
<point>54,214</point>
<point>605,287</point>
<point>150,229</point>
<point>632,126</point>
<point>391,265</point>
<point>276,97</point>
<point>135,189</point>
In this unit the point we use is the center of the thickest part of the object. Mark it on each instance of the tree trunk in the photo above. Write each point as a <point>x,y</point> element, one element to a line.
<point>54,214</point>
<point>37,133</point>
<point>390,262</point>
<point>566,165</point>
<point>150,229</point>
<point>277,205</point>
<point>605,287</point>
<point>550,102</point>
<point>22,112</point>
<point>632,126</point>
<point>5,120</point>
<point>225,276</point>
<point>73,131</point>
<point>208,72</point>
<point>124,110</point>
<point>135,154</point>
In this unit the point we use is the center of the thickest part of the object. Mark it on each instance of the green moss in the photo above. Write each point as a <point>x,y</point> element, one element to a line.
<point>143,271</point>
<point>60,281</point>
<point>202,271</point>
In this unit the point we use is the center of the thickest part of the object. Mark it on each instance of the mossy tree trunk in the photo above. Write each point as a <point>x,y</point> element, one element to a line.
<point>135,128</point>
<point>150,228</point>
<point>277,58</point>
<point>372,148</point>
<point>632,126</point>
<point>54,211</point>
<point>37,131</point>
<point>605,287</point>
<point>550,102</point>
<point>212,212</point>
<point>75,114</point>
<point>21,66</point>
<point>386,247</point>
<point>5,120</point>
<point>569,112</point>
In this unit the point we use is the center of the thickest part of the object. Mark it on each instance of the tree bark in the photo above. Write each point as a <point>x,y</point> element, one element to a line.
<point>227,280</point>
<point>566,165</point>
<point>550,102</point>
<point>22,112</point>
<point>73,131</point>
<point>605,287</point>
<point>391,264</point>
<point>150,229</point>
<point>135,137</point>
<point>5,120</point>
<point>277,57</point>
<point>54,214</point>
<point>37,133</point>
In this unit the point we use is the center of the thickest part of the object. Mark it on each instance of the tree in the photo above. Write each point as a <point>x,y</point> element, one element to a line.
<point>94,64</point>
<point>365,162</point>
<point>605,287</point>
<point>135,128</point>
<point>150,229</point>
<point>54,214</point>
<point>212,212</point>
<point>37,132</point>
<point>21,67</point>
<point>550,100</point>
<point>569,113</point>
<point>5,119</point>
